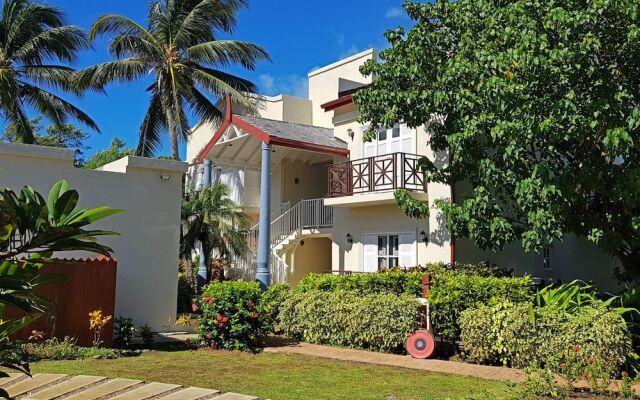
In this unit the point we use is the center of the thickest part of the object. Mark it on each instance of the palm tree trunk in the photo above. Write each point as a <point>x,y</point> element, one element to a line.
<point>173,135</point>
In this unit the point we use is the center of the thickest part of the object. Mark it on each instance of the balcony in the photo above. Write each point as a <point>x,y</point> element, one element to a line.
<point>372,180</point>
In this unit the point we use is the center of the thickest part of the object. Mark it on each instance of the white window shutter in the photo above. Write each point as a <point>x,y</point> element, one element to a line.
<point>407,249</point>
<point>407,134</point>
<point>368,148</point>
<point>370,253</point>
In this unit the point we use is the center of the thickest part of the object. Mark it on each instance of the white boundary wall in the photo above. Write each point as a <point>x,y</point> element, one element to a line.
<point>150,192</point>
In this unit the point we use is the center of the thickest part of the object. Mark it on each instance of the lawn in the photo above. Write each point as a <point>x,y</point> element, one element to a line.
<point>284,376</point>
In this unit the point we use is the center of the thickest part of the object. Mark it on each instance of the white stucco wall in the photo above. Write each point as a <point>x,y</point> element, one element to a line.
<point>147,248</point>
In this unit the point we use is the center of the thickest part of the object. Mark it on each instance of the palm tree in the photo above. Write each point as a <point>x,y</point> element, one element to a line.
<point>180,49</point>
<point>213,219</point>
<point>33,37</point>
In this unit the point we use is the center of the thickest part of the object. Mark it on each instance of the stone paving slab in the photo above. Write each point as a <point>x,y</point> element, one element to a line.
<point>85,387</point>
<point>74,384</point>
<point>104,389</point>
<point>234,396</point>
<point>147,391</point>
<point>191,393</point>
<point>394,360</point>
<point>28,385</point>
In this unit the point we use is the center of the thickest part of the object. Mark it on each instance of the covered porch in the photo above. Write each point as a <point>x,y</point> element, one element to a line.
<point>283,164</point>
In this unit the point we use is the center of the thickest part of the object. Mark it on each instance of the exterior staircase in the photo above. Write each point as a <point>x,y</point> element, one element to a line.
<point>289,226</point>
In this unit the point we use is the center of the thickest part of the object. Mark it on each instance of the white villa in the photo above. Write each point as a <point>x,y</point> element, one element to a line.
<point>332,206</point>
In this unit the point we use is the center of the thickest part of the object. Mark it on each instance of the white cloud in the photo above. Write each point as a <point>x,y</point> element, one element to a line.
<point>350,51</point>
<point>293,85</point>
<point>393,12</point>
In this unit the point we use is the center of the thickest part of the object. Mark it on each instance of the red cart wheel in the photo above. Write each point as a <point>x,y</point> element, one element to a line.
<point>421,344</point>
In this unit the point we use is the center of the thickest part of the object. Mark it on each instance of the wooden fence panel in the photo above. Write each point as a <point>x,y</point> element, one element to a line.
<point>89,285</point>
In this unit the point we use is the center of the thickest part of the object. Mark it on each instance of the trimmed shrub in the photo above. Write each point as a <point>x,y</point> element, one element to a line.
<point>271,301</point>
<point>521,335</point>
<point>230,318</point>
<point>454,292</point>
<point>65,349</point>
<point>379,322</point>
<point>393,282</point>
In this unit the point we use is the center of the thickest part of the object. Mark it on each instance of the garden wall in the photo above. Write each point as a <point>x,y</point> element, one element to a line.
<point>150,192</point>
<point>89,285</point>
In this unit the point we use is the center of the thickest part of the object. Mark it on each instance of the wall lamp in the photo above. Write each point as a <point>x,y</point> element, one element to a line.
<point>350,133</point>
<point>424,237</point>
<point>165,177</point>
<point>349,238</point>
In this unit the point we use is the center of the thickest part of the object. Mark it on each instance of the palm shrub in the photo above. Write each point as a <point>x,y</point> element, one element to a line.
<point>210,218</point>
<point>181,49</point>
<point>33,40</point>
<point>32,229</point>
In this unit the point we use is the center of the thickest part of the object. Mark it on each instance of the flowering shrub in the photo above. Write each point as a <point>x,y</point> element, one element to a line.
<point>271,302</point>
<point>97,322</point>
<point>230,318</point>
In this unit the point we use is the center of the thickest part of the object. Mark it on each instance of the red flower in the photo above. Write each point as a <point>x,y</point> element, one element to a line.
<point>624,374</point>
<point>225,320</point>
<point>563,365</point>
<point>194,307</point>
<point>219,318</point>
<point>585,374</point>
<point>576,349</point>
<point>250,304</point>
<point>209,335</point>
<point>591,360</point>
<point>253,315</point>
<point>210,300</point>
<point>187,341</point>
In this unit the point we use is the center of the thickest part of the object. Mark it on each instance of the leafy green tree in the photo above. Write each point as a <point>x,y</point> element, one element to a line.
<point>537,103</point>
<point>33,37</point>
<point>32,229</point>
<point>181,50</point>
<point>210,217</point>
<point>115,151</point>
<point>66,136</point>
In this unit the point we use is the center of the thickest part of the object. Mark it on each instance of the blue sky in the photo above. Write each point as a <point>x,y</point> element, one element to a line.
<point>299,36</point>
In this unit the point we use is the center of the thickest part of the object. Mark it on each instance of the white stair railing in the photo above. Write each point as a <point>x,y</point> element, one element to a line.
<point>306,214</point>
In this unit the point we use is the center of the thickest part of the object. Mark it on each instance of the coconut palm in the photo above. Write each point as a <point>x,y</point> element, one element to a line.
<point>33,39</point>
<point>213,219</point>
<point>180,49</point>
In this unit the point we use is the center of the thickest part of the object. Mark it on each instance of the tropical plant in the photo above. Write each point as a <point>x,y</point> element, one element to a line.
<point>33,36</point>
<point>536,103</point>
<point>211,218</point>
<point>97,322</point>
<point>123,329</point>
<point>31,230</point>
<point>181,49</point>
<point>572,297</point>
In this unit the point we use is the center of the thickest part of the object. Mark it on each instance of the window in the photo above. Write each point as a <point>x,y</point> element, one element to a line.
<point>546,258</point>
<point>393,140</point>
<point>387,250</point>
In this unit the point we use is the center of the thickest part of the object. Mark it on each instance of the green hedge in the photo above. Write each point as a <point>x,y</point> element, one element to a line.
<point>521,335</point>
<point>379,322</point>
<point>455,290</point>
<point>393,282</point>
<point>230,317</point>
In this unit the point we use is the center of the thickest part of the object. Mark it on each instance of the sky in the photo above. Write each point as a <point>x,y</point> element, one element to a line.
<point>299,36</point>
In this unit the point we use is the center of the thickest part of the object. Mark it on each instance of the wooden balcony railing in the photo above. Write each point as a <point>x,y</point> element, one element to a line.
<point>375,174</point>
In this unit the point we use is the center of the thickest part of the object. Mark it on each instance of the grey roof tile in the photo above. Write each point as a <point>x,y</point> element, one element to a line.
<point>299,132</point>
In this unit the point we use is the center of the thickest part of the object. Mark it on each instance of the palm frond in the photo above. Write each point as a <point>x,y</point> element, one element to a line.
<point>56,76</point>
<point>152,128</point>
<point>98,76</point>
<point>60,43</point>
<point>228,52</point>
<point>113,23</point>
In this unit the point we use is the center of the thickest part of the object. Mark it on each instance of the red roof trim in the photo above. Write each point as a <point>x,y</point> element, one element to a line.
<point>337,103</point>
<point>316,148</point>
<point>263,136</point>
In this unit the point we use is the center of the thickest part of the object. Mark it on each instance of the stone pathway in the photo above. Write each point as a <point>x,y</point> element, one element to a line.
<point>393,360</point>
<point>84,387</point>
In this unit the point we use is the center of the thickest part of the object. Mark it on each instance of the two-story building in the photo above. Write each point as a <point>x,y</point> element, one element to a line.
<point>332,205</point>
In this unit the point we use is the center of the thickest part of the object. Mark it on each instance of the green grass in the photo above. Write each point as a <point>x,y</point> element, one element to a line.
<point>284,376</point>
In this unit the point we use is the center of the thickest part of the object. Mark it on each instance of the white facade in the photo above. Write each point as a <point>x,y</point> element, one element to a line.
<point>150,192</point>
<point>368,230</point>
